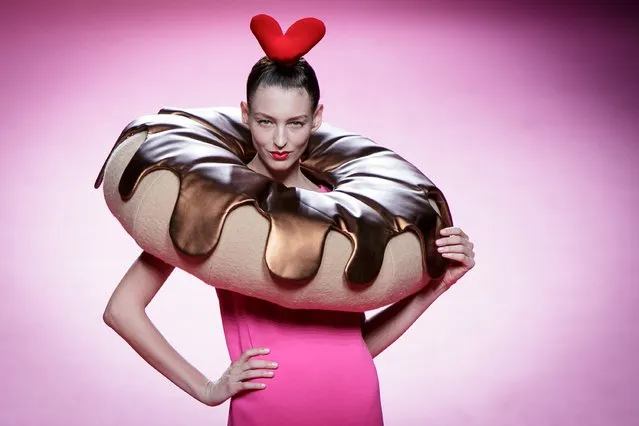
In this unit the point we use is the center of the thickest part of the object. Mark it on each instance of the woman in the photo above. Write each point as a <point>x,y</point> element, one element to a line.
<point>324,371</point>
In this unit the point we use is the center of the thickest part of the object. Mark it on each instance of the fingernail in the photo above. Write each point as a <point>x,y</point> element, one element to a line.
<point>440,249</point>
<point>274,364</point>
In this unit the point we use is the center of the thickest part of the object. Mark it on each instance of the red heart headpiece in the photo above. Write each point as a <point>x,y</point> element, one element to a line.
<point>287,48</point>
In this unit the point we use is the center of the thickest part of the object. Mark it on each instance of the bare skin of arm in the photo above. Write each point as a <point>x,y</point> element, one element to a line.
<point>383,329</point>
<point>388,325</point>
<point>126,315</point>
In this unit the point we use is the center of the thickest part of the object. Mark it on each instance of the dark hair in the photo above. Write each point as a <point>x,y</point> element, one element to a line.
<point>299,76</point>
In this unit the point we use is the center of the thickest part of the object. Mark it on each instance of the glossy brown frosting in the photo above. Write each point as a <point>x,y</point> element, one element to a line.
<point>376,193</point>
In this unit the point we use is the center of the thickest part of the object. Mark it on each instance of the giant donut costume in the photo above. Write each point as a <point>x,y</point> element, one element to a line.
<point>178,183</point>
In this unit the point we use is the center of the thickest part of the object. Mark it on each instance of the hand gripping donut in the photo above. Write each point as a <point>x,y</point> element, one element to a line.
<point>178,183</point>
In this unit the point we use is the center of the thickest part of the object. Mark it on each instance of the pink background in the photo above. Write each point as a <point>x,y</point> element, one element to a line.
<point>527,117</point>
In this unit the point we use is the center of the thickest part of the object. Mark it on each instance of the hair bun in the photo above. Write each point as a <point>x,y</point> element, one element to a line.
<point>287,48</point>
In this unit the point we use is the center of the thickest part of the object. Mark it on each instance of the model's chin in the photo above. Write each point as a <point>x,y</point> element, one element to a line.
<point>279,165</point>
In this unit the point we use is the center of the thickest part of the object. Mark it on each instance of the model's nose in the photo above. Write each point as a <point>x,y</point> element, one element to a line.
<point>280,139</point>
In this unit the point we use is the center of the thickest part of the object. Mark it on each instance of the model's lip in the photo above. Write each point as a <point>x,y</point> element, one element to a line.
<point>279,156</point>
<point>280,152</point>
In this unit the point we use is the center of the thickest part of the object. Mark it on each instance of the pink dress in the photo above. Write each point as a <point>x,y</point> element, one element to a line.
<point>326,375</point>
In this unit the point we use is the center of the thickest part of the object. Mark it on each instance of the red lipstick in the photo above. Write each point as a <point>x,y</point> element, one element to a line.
<point>279,156</point>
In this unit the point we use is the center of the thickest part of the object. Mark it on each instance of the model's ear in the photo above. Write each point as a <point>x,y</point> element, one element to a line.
<point>245,112</point>
<point>317,117</point>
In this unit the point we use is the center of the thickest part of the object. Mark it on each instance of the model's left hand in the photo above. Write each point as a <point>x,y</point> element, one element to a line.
<point>456,246</point>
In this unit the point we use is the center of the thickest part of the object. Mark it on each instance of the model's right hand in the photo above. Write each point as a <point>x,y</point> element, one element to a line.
<point>235,378</point>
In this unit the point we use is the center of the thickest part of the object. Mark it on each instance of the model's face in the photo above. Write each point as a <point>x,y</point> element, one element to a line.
<point>281,122</point>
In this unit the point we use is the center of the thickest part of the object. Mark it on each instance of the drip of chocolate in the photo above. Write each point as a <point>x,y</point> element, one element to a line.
<point>376,193</point>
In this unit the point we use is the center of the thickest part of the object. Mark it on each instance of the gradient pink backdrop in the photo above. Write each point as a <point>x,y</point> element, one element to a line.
<point>527,118</point>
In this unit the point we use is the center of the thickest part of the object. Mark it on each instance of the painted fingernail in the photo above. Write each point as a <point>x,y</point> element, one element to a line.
<point>274,364</point>
<point>440,249</point>
<point>270,373</point>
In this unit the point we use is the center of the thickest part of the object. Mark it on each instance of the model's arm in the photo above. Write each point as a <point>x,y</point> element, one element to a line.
<point>125,314</point>
<point>390,324</point>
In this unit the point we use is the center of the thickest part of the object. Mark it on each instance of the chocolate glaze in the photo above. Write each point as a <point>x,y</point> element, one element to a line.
<point>376,193</point>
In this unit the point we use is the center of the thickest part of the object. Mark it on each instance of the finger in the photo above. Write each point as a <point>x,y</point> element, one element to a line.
<point>455,239</point>
<point>459,248</point>
<point>454,230</point>
<point>460,258</point>
<point>253,374</point>
<point>451,230</point>
<point>256,364</point>
<point>252,386</point>
<point>249,353</point>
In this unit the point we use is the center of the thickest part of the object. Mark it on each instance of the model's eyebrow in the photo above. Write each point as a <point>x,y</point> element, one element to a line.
<point>298,117</point>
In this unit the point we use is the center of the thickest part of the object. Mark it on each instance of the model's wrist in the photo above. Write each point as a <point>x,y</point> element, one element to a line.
<point>430,293</point>
<point>203,392</point>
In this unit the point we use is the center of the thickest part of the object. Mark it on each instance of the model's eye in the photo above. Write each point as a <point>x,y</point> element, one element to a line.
<point>264,122</point>
<point>297,123</point>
